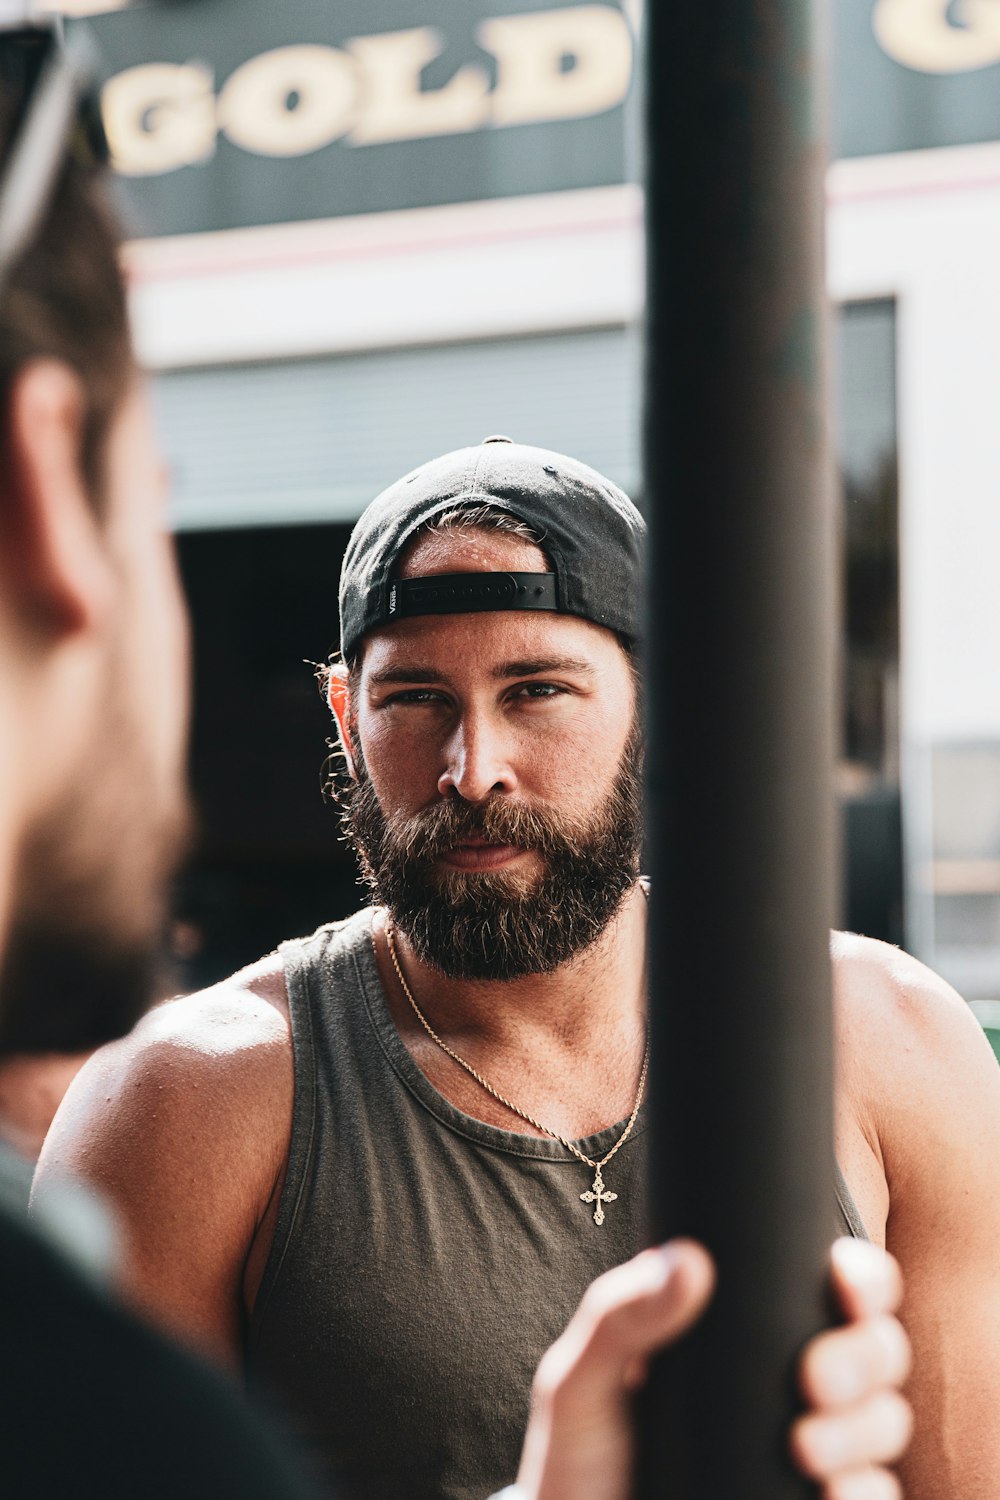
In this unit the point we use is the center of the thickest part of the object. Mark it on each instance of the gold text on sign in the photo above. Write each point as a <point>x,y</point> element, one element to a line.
<point>549,65</point>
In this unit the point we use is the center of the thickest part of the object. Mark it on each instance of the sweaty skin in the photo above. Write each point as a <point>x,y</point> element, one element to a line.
<point>185,1124</point>
<point>918,1139</point>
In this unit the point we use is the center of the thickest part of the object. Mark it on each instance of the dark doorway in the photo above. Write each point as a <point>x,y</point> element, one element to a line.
<point>269,863</point>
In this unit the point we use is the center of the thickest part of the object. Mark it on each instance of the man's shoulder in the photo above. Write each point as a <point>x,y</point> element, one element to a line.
<point>214,1067</point>
<point>908,1046</point>
<point>243,1020</point>
<point>250,1007</point>
<point>332,939</point>
<point>234,1027</point>
<point>879,986</point>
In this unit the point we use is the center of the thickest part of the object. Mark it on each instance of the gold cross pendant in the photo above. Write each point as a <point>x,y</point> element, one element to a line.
<point>599,1196</point>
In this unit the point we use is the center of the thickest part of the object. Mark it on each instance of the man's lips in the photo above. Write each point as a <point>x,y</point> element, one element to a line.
<point>475,855</point>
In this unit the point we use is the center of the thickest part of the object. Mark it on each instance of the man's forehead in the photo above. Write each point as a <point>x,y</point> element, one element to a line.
<point>489,644</point>
<point>463,549</point>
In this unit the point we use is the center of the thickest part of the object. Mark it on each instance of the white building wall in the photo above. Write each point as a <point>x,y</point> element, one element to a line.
<point>926,229</point>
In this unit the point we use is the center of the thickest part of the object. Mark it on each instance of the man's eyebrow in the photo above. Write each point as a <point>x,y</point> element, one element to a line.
<point>539,664</point>
<point>415,673</point>
<point>529,668</point>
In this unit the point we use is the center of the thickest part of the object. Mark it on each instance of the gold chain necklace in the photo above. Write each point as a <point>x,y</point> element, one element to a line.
<point>598,1194</point>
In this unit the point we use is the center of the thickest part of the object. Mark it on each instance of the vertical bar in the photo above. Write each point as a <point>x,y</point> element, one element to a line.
<point>740,676</point>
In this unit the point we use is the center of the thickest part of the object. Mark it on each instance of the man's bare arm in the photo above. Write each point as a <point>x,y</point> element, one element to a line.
<point>926,1089</point>
<point>183,1127</point>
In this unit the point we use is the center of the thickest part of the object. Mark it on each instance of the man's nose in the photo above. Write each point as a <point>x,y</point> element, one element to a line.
<point>477,761</point>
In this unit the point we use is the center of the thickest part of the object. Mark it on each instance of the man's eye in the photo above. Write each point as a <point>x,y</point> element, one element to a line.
<point>416,695</point>
<point>537,690</point>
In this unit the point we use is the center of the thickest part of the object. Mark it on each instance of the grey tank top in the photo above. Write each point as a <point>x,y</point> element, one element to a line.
<point>422,1260</point>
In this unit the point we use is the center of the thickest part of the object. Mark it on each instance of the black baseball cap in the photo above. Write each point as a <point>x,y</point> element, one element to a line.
<point>588,528</point>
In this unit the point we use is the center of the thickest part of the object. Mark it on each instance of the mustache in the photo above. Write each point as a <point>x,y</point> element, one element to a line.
<point>434,831</point>
<point>487,926</point>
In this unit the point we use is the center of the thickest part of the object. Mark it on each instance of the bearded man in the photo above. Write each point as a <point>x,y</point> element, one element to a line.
<point>368,1169</point>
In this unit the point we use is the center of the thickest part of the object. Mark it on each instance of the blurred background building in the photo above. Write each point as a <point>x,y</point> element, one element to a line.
<point>365,233</point>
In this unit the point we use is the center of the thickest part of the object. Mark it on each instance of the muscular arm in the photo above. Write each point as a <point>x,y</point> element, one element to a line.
<point>183,1128</point>
<point>923,1088</point>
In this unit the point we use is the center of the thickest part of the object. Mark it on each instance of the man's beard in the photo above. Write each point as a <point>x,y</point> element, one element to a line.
<point>70,990</point>
<point>491,924</point>
<point>84,947</point>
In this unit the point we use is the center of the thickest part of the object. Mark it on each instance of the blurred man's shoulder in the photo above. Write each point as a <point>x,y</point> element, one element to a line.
<point>92,1402</point>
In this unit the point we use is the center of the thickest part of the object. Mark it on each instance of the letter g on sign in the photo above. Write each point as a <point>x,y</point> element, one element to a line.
<point>921,34</point>
<point>159,116</point>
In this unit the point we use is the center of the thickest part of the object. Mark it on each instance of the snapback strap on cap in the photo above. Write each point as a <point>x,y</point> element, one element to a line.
<point>460,593</point>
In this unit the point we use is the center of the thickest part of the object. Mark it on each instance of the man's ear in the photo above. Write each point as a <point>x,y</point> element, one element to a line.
<point>54,561</point>
<point>338,695</point>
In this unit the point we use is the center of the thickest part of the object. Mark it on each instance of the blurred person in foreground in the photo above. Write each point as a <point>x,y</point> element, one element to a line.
<point>93,713</point>
<point>313,1189</point>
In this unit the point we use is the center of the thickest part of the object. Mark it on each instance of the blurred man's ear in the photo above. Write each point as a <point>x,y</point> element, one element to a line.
<point>55,569</point>
<point>338,695</point>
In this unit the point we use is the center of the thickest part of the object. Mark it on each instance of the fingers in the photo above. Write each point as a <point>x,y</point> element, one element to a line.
<point>835,1446</point>
<point>624,1317</point>
<point>845,1365</point>
<point>851,1377</point>
<point>866,1484</point>
<point>866,1280</point>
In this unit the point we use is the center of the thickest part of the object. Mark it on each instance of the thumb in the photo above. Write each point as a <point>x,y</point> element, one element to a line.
<point>626,1316</point>
<point>579,1438</point>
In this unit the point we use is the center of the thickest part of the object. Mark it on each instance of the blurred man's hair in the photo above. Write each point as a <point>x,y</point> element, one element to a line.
<point>65,299</point>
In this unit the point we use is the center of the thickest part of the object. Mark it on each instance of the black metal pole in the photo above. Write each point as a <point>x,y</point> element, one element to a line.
<point>740,717</point>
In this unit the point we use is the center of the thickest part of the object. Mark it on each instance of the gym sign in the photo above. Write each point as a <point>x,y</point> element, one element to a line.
<point>240,112</point>
<point>563,64</point>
